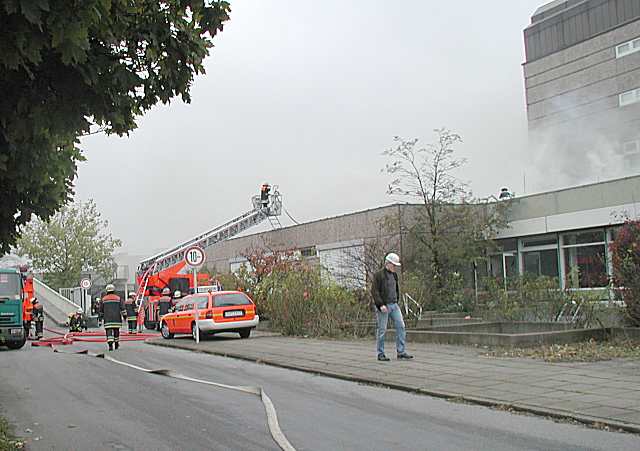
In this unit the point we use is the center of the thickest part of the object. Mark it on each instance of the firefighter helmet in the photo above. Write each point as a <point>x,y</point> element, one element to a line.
<point>110,288</point>
<point>132,295</point>
<point>177,294</point>
<point>166,291</point>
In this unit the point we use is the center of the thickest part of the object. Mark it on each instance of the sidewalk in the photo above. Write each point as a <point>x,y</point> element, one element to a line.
<point>602,392</point>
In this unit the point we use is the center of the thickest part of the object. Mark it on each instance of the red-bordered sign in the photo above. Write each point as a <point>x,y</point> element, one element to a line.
<point>195,256</point>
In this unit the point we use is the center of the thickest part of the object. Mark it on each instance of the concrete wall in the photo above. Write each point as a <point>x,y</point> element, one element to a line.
<point>362,225</point>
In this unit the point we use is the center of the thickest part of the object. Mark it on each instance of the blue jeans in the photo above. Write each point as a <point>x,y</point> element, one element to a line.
<point>393,311</point>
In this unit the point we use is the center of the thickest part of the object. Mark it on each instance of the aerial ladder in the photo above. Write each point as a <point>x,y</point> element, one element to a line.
<point>168,269</point>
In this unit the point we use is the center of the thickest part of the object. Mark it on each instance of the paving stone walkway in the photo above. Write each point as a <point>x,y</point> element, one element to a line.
<point>604,392</point>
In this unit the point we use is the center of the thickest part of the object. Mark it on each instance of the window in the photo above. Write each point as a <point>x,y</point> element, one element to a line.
<point>629,97</point>
<point>540,256</point>
<point>203,301</point>
<point>308,252</point>
<point>225,300</point>
<point>585,261</point>
<point>631,154</point>
<point>627,48</point>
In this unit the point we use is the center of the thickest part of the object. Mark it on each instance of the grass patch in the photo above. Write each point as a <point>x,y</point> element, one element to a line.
<point>8,442</point>
<point>590,351</point>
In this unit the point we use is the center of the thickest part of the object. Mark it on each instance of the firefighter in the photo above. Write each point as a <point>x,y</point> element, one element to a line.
<point>164,303</point>
<point>264,194</point>
<point>132,312</point>
<point>77,321</point>
<point>113,311</point>
<point>27,315</point>
<point>38,317</point>
<point>99,311</point>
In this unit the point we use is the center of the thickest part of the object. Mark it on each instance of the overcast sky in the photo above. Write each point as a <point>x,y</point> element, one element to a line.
<point>306,95</point>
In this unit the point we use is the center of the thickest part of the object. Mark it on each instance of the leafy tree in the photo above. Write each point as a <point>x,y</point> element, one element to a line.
<point>74,240</point>
<point>68,68</point>
<point>453,227</point>
<point>626,267</point>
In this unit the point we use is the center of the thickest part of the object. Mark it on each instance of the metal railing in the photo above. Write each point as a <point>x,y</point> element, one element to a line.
<point>412,308</point>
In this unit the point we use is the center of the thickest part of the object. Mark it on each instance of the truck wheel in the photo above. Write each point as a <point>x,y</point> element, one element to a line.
<point>16,344</point>
<point>244,333</point>
<point>164,330</point>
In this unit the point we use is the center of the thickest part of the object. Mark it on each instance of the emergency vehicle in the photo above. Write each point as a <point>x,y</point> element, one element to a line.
<point>221,311</point>
<point>13,299</point>
<point>169,270</point>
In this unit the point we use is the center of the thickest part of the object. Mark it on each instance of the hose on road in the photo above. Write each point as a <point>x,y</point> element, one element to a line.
<point>97,337</point>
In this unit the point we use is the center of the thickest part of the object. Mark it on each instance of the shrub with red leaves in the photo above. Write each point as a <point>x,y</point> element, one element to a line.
<point>626,267</point>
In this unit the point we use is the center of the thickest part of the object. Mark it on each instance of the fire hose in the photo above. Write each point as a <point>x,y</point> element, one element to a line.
<point>62,338</point>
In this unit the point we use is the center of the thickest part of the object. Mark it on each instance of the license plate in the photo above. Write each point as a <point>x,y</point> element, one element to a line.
<point>16,331</point>
<point>233,313</point>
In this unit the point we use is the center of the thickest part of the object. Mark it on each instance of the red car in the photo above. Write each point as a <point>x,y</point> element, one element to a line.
<point>221,311</point>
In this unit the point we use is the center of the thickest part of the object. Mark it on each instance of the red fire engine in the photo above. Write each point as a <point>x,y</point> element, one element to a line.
<point>168,269</point>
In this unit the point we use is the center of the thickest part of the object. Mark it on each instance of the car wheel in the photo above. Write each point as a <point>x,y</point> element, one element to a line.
<point>16,344</point>
<point>164,330</point>
<point>244,333</point>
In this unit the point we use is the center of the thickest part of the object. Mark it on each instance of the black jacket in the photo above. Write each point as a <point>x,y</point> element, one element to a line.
<point>130,308</point>
<point>164,304</point>
<point>379,288</point>
<point>112,309</point>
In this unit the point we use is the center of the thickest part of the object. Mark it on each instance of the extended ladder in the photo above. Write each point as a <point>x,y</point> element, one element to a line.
<point>259,213</point>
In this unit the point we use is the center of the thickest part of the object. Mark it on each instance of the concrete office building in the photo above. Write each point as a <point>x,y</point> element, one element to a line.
<point>582,81</point>
<point>563,234</point>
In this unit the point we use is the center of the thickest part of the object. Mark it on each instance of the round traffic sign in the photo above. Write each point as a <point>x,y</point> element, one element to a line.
<point>85,284</point>
<point>194,256</point>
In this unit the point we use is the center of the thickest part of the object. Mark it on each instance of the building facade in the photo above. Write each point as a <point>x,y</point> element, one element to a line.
<point>582,82</point>
<point>563,234</point>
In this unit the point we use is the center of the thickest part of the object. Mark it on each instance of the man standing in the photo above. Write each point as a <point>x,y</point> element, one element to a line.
<point>386,293</point>
<point>38,318</point>
<point>132,312</point>
<point>112,309</point>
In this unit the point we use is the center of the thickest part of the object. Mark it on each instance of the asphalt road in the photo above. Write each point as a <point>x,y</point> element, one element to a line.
<point>74,402</point>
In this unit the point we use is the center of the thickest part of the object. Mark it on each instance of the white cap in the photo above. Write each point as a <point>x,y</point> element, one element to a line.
<point>393,259</point>
<point>79,310</point>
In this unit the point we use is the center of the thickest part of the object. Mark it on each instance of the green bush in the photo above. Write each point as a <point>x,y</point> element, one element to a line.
<point>298,302</point>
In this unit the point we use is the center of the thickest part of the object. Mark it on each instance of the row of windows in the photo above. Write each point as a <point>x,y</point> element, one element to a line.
<point>628,48</point>
<point>578,259</point>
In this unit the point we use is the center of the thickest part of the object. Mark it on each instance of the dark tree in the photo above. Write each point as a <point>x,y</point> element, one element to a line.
<point>69,68</point>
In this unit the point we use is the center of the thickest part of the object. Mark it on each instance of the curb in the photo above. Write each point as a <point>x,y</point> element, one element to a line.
<point>487,402</point>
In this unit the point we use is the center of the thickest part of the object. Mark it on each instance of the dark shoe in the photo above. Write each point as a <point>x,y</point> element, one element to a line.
<point>383,358</point>
<point>404,356</point>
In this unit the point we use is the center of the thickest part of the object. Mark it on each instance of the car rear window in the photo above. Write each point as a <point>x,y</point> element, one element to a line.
<point>225,300</point>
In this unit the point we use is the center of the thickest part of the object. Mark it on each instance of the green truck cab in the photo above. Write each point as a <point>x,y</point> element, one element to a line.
<point>12,332</point>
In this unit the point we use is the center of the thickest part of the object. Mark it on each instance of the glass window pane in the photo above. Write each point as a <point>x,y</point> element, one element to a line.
<point>541,263</point>
<point>540,241</point>
<point>591,236</point>
<point>624,48</point>
<point>495,266</point>
<point>532,263</point>
<point>585,267</point>
<point>508,245</point>
<point>224,300</point>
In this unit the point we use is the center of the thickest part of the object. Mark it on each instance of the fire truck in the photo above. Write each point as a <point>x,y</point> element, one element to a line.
<point>169,270</point>
<point>16,293</point>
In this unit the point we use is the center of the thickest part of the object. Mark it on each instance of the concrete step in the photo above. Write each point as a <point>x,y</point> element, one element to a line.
<point>436,322</point>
